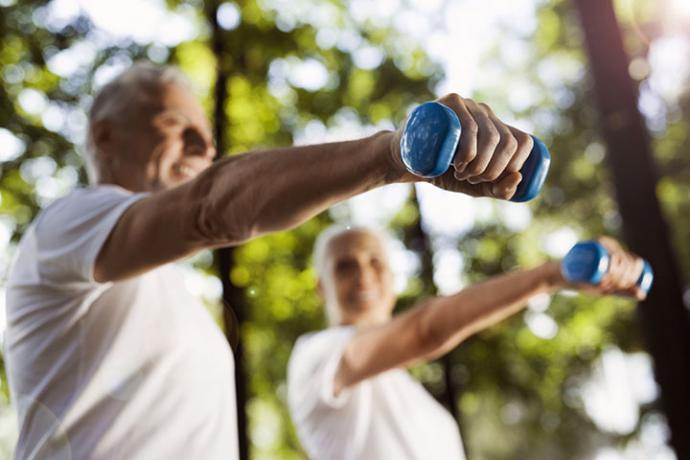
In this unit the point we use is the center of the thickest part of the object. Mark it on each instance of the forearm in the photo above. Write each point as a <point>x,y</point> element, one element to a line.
<point>241,197</point>
<point>252,194</point>
<point>441,323</point>
<point>447,321</point>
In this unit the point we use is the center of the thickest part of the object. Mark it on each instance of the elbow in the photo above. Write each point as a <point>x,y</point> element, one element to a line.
<point>429,336</point>
<point>222,225</point>
<point>435,334</point>
<point>219,219</point>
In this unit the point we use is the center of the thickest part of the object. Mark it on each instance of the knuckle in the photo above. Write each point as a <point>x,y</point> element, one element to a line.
<point>607,243</point>
<point>510,144</point>
<point>638,263</point>
<point>493,137</point>
<point>507,148</point>
<point>471,127</point>
<point>491,174</point>
<point>504,194</point>
<point>452,97</point>
<point>475,168</point>
<point>524,139</point>
<point>466,156</point>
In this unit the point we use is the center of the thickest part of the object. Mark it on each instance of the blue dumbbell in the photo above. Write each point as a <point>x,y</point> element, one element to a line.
<point>431,136</point>
<point>588,262</point>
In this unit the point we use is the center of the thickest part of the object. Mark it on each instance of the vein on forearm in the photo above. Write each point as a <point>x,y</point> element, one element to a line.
<point>252,194</point>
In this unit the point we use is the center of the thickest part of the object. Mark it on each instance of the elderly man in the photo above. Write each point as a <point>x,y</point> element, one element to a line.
<point>348,393</point>
<point>108,355</point>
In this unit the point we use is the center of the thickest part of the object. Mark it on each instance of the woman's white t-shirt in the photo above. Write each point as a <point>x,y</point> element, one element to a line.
<point>389,416</point>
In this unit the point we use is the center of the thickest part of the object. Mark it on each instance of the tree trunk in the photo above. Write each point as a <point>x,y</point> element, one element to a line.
<point>663,316</point>
<point>234,302</point>
<point>418,241</point>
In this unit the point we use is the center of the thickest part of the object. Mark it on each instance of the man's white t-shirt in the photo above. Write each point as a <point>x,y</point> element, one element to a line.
<point>135,369</point>
<point>389,416</point>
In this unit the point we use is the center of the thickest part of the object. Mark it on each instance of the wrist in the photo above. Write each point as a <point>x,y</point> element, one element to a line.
<point>397,172</point>
<point>552,276</point>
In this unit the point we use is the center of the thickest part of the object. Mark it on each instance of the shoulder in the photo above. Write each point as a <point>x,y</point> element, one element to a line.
<point>88,197</point>
<point>82,205</point>
<point>314,349</point>
<point>312,369</point>
<point>323,338</point>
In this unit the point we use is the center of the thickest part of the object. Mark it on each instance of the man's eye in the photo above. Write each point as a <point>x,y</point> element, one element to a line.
<point>170,121</point>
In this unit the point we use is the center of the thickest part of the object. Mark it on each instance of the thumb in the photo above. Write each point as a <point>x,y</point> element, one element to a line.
<point>505,187</point>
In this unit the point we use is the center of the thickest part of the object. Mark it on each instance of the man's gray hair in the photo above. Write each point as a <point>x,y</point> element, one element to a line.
<point>123,95</point>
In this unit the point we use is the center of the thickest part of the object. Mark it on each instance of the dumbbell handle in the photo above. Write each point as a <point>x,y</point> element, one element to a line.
<point>431,136</point>
<point>588,262</point>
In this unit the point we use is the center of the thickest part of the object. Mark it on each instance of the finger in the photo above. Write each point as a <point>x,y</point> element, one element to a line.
<point>622,270</point>
<point>623,281</point>
<point>448,182</point>
<point>610,244</point>
<point>631,268</point>
<point>488,138</point>
<point>636,267</point>
<point>605,286</point>
<point>506,186</point>
<point>634,292</point>
<point>639,268</point>
<point>502,189</point>
<point>612,276</point>
<point>503,153</point>
<point>629,271</point>
<point>614,252</point>
<point>627,279</point>
<point>618,268</point>
<point>525,146</point>
<point>467,147</point>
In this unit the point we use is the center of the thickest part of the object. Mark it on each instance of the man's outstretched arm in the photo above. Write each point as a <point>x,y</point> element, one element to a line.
<point>248,195</point>
<point>239,198</point>
<point>441,323</point>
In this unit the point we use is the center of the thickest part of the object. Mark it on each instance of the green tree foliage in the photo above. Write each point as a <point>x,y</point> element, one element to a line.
<point>513,385</point>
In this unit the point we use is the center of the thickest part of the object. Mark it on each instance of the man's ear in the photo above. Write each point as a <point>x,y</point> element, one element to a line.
<point>102,136</point>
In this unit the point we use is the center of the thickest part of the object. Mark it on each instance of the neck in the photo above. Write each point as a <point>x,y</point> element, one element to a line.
<point>132,186</point>
<point>365,320</point>
<point>127,178</point>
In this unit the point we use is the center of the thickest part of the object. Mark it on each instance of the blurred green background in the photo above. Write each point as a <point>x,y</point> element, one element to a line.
<point>568,377</point>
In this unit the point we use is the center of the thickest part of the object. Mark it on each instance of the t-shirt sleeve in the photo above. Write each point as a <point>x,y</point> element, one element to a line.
<point>311,372</point>
<point>71,232</point>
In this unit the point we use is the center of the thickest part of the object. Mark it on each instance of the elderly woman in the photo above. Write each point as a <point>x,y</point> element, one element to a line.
<point>348,392</point>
